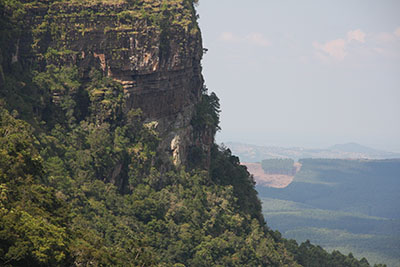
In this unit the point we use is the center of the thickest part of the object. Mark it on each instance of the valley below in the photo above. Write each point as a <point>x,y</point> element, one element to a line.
<point>349,205</point>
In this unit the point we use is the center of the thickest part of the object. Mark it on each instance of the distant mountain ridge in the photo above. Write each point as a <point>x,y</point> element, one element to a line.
<point>256,153</point>
<point>355,148</point>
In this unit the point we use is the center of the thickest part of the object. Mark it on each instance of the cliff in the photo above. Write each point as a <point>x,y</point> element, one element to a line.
<point>152,48</point>
<point>106,144</point>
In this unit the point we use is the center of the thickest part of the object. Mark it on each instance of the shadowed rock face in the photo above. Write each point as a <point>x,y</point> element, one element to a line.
<point>158,64</point>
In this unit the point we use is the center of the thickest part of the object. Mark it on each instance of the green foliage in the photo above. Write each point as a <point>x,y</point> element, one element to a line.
<point>310,255</point>
<point>58,86</point>
<point>207,113</point>
<point>225,169</point>
<point>106,96</point>
<point>12,13</point>
<point>205,123</point>
<point>32,220</point>
<point>188,218</point>
<point>82,182</point>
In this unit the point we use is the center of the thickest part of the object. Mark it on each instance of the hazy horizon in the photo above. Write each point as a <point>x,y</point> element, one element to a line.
<point>307,74</point>
<point>305,146</point>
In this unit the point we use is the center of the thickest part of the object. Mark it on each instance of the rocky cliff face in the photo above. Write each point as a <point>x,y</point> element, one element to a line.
<point>154,50</point>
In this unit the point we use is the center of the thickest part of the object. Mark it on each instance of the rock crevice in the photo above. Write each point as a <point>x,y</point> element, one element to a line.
<point>158,63</point>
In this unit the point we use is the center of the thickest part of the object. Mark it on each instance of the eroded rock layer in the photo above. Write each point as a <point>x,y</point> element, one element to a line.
<point>153,50</point>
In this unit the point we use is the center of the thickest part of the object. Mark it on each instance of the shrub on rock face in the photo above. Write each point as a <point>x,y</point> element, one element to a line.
<point>81,177</point>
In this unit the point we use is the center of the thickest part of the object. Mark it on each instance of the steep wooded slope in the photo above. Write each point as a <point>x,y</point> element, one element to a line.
<point>106,143</point>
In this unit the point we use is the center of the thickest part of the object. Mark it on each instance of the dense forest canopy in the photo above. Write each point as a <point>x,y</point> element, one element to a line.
<point>82,181</point>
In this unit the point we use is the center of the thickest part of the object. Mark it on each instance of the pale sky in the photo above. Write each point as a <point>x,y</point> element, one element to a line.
<point>304,73</point>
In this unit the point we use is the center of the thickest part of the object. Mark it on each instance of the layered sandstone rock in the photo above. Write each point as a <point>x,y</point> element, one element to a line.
<point>154,51</point>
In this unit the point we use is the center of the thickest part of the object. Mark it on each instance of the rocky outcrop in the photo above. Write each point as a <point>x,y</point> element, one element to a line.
<point>153,50</point>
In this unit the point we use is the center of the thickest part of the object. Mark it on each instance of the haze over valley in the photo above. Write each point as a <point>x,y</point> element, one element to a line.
<point>346,203</point>
<point>301,80</point>
<point>256,153</point>
<point>112,114</point>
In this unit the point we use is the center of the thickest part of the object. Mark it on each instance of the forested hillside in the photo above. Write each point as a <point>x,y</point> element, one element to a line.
<point>279,166</point>
<point>95,172</point>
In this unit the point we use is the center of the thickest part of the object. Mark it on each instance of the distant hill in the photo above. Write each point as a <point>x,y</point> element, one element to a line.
<point>356,148</point>
<point>255,153</point>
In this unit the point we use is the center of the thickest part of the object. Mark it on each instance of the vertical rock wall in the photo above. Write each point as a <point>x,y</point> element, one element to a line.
<point>156,60</point>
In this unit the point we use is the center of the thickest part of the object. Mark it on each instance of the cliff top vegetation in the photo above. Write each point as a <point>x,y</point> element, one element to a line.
<point>82,181</point>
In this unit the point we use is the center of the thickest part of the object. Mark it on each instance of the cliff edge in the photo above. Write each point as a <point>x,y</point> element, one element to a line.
<point>152,48</point>
<point>107,154</point>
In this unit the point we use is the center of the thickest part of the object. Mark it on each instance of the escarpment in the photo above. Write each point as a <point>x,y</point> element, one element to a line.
<point>153,50</point>
<point>98,100</point>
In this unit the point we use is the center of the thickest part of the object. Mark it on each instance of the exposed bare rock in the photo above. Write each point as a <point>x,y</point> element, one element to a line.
<point>158,65</point>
